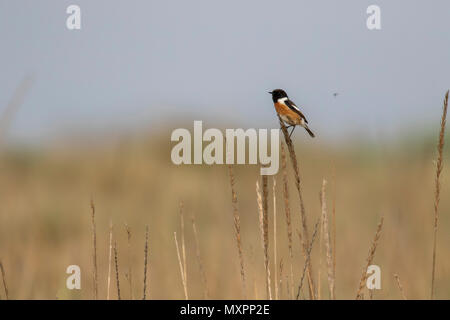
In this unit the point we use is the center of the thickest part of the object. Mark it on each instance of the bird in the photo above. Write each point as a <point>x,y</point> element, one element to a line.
<point>289,112</point>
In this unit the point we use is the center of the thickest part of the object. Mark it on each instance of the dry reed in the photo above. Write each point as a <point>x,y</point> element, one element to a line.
<point>305,237</point>
<point>145,263</point>
<point>372,250</point>
<point>400,287</point>
<point>183,276</point>
<point>319,275</point>
<point>200,261</point>
<point>326,235</point>
<point>2,269</point>
<point>94,245</point>
<point>116,261</point>
<point>275,237</point>
<point>287,211</point>
<point>109,260</point>
<point>263,228</point>
<point>304,250</point>
<point>439,167</point>
<point>265,217</point>
<point>265,206</point>
<point>308,257</point>
<point>280,286</point>
<point>334,219</point>
<point>129,275</point>
<point>288,290</point>
<point>183,246</point>
<point>237,230</point>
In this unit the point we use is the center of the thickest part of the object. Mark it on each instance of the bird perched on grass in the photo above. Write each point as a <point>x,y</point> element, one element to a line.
<point>289,112</point>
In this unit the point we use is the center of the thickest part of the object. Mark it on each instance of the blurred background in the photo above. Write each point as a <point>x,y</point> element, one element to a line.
<point>89,113</point>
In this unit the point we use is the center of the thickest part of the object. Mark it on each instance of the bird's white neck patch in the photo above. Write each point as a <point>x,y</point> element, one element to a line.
<point>282,100</point>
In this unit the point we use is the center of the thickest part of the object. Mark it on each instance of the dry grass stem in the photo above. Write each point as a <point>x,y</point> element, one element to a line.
<point>2,269</point>
<point>400,287</point>
<point>94,245</point>
<point>319,275</point>
<point>264,238</point>
<point>200,261</point>
<point>304,250</point>
<point>288,289</point>
<point>280,286</point>
<point>265,204</point>
<point>237,230</point>
<point>326,235</point>
<point>265,217</point>
<point>297,179</point>
<point>183,245</point>
<point>334,219</point>
<point>116,261</point>
<point>275,237</point>
<point>109,260</point>
<point>308,257</point>
<point>372,250</point>
<point>145,263</point>
<point>287,211</point>
<point>439,167</point>
<point>129,275</point>
<point>183,276</point>
<point>305,237</point>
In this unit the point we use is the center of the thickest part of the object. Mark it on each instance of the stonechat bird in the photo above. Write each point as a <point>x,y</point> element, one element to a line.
<point>289,112</point>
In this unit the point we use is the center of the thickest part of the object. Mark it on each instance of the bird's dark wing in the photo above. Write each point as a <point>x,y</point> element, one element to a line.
<point>294,108</point>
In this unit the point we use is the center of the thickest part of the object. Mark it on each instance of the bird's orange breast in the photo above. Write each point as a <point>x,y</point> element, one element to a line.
<point>287,114</point>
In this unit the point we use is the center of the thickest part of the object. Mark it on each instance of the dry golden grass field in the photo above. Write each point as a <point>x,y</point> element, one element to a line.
<point>45,221</point>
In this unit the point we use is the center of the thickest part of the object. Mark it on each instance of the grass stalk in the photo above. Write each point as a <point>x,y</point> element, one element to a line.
<point>400,287</point>
<point>2,269</point>
<point>319,275</point>
<point>326,235</point>
<point>287,211</point>
<point>109,260</point>
<point>116,261</point>
<point>94,247</point>
<point>334,220</point>
<point>280,286</point>
<point>145,263</point>
<point>180,263</point>
<point>183,246</point>
<point>369,260</point>
<point>275,237</point>
<point>129,274</point>
<point>237,230</point>
<point>200,261</point>
<point>305,237</point>
<point>439,167</point>
<point>308,257</point>
<point>263,228</point>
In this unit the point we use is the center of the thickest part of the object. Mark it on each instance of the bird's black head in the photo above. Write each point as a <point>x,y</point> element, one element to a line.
<point>278,94</point>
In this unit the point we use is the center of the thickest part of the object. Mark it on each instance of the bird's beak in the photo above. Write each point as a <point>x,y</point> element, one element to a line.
<point>270,92</point>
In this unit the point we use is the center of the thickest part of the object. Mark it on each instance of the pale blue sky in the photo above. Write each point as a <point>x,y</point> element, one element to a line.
<point>141,63</point>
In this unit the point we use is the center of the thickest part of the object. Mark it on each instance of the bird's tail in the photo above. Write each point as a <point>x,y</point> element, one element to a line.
<point>310,132</point>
